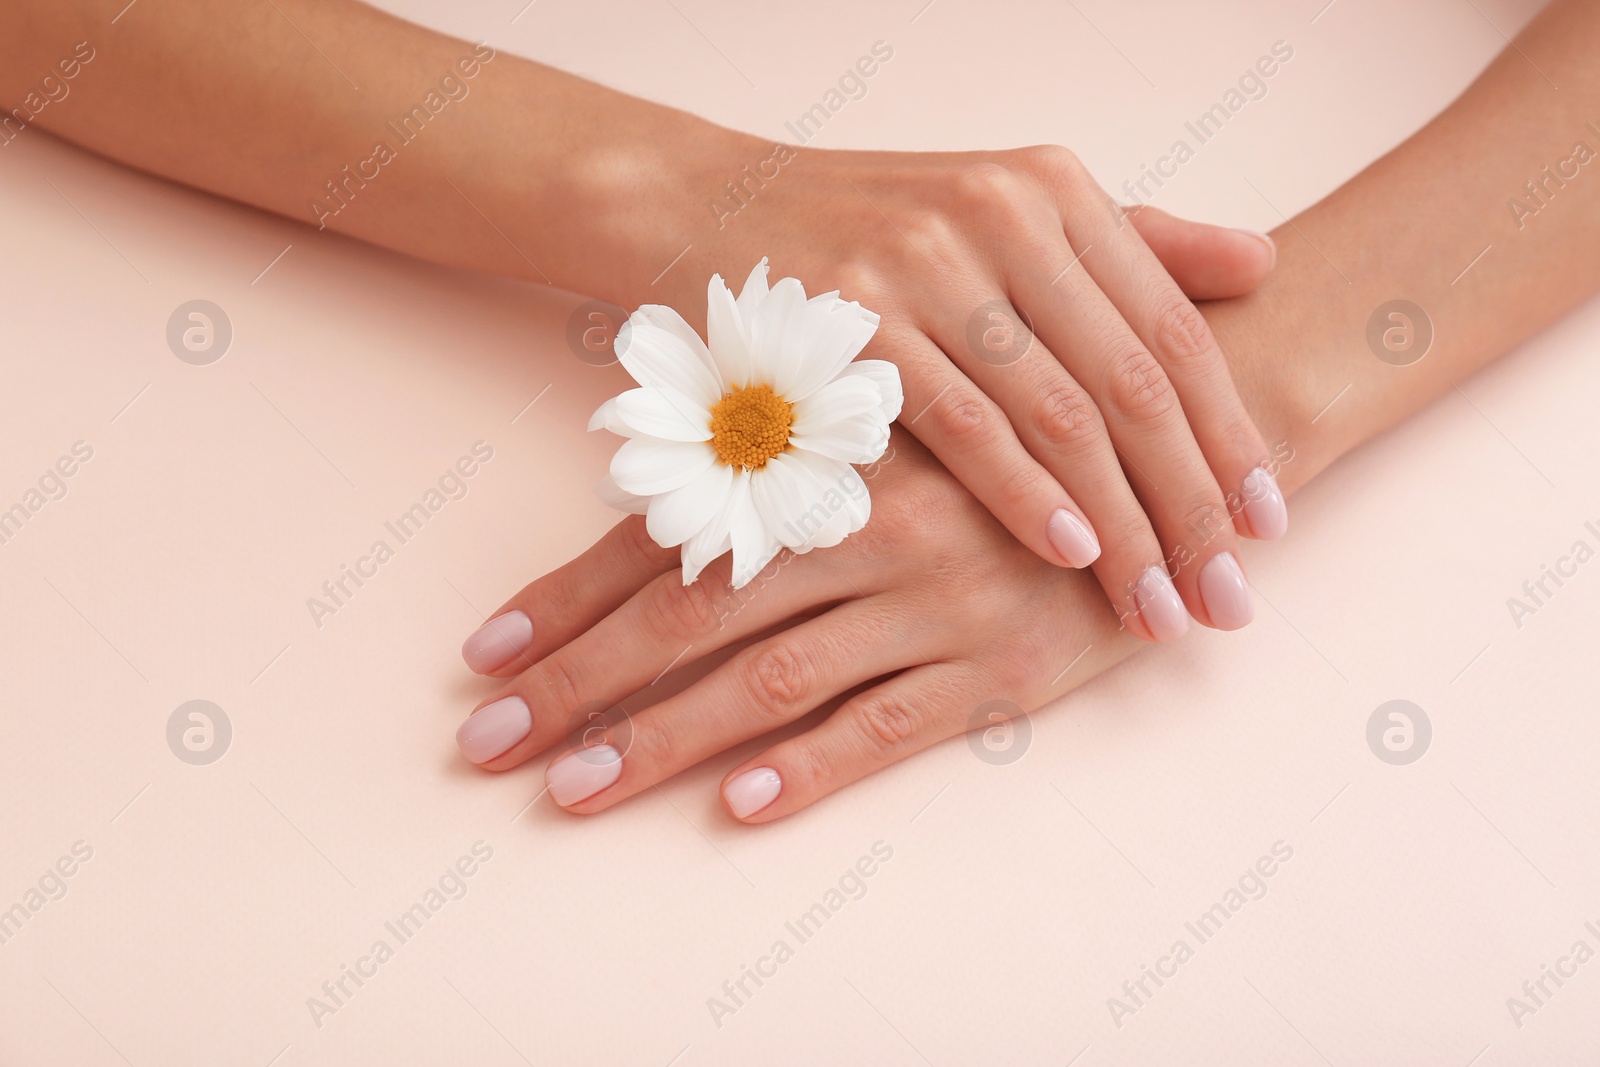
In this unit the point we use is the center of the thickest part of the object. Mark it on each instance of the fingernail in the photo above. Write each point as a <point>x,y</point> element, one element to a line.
<point>1225,593</point>
<point>1160,605</point>
<point>1264,506</point>
<point>497,642</point>
<point>580,775</point>
<point>1072,539</point>
<point>493,729</point>
<point>1272,246</point>
<point>752,791</point>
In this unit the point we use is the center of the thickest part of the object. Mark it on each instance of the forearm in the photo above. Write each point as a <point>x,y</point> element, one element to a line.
<point>1408,227</point>
<point>446,151</point>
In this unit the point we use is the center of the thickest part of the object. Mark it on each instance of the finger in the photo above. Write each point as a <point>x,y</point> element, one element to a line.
<point>1152,434</point>
<point>902,716</point>
<point>661,627</point>
<point>763,687</point>
<point>1208,262</point>
<point>972,436</point>
<point>548,613</point>
<point>1177,335</point>
<point>1061,427</point>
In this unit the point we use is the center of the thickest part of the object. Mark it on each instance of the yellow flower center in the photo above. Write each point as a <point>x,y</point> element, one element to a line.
<point>749,426</point>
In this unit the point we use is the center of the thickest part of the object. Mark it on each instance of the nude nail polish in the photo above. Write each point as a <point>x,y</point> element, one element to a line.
<point>497,642</point>
<point>1264,506</point>
<point>752,791</point>
<point>1160,605</point>
<point>494,728</point>
<point>1070,537</point>
<point>580,775</point>
<point>1272,246</point>
<point>1225,592</point>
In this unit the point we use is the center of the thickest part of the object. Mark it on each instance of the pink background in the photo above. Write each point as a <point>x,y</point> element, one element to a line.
<point>1019,897</point>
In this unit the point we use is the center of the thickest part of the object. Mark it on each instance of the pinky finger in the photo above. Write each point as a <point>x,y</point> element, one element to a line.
<point>883,725</point>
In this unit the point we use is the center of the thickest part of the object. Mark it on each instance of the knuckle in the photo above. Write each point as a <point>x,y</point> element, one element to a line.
<point>1138,387</point>
<point>886,722</point>
<point>684,610</point>
<point>965,420</point>
<point>1056,163</point>
<point>779,680</point>
<point>858,281</point>
<point>1183,336</point>
<point>1066,418</point>
<point>810,767</point>
<point>657,743</point>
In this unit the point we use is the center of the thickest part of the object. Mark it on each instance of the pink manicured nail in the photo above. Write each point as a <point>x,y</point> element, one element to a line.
<point>1070,537</point>
<point>1225,592</point>
<point>1160,605</point>
<point>752,791</point>
<point>493,729</point>
<point>1264,507</point>
<point>497,642</point>
<point>581,774</point>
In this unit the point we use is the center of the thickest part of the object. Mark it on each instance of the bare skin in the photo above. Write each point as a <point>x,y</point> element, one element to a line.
<point>527,171</point>
<point>935,608</point>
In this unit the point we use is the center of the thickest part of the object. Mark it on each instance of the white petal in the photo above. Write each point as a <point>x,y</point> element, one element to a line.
<point>843,420</point>
<point>716,537</point>
<point>846,481</point>
<point>658,412</point>
<point>754,292</point>
<point>725,330</point>
<point>611,495</point>
<point>832,332</point>
<point>887,375</point>
<point>678,515</point>
<point>662,351</point>
<point>753,545</point>
<point>646,466</point>
<point>799,509</point>
<point>777,335</point>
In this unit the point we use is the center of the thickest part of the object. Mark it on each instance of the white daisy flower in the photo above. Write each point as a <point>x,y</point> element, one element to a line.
<point>747,444</point>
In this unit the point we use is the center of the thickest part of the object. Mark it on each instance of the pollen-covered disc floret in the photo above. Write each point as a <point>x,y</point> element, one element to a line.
<point>745,441</point>
<point>749,426</point>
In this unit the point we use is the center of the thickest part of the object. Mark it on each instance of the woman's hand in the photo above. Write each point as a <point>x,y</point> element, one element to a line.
<point>1051,355</point>
<point>930,612</point>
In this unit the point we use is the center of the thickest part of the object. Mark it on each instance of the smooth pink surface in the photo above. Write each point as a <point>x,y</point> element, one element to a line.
<point>581,774</point>
<point>1072,538</point>
<point>494,728</point>
<point>1160,606</point>
<point>1265,508</point>
<point>1225,592</point>
<point>752,791</point>
<point>1020,896</point>
<point>498,642</point>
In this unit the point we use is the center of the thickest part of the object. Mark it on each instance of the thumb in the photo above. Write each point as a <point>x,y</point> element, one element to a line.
<point>1208,262</point>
